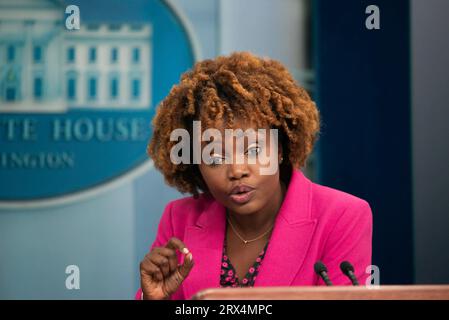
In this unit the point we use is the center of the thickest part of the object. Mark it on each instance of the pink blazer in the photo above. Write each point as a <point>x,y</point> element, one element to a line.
<point>314,223</point>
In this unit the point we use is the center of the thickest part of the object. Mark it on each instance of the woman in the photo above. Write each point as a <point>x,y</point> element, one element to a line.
<point>242,227</point>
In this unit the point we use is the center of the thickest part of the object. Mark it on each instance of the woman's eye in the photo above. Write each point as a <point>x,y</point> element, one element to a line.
<point>254,151</point>
<point>216,160</point>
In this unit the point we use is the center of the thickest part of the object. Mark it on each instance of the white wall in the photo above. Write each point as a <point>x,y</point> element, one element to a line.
<point>266,28</point>
<point>97,235</point>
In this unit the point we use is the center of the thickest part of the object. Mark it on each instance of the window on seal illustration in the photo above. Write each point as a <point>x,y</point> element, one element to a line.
<point>136,55</point>
<point>71,54</point>
<point>135,89</point>
<point>92,84</point>
<point>71,87</point>
<point>92,54</point>
<point>11,85</point>
<point>11,94</point>
<point>37,54</point>
<point>114,88</point>
<point>11,53</point>
<point>114,55</point>
<point>38,87</point>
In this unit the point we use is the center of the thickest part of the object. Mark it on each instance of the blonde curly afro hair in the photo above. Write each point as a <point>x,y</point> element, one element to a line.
<point>220,90</point>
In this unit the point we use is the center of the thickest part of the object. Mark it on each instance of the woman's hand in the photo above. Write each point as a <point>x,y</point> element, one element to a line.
<point>160,273</point>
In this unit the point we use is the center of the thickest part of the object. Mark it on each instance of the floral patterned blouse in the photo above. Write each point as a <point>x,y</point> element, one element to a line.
<point>228,276</point>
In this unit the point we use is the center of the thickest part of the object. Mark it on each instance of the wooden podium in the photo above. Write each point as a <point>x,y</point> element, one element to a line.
<point>387,292</point>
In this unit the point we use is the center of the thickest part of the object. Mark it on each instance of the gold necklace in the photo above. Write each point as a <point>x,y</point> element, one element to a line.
<point>283,188</point>
<point>241,238</point>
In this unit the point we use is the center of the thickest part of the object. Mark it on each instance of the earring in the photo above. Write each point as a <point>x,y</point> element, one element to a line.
<point>282,158</point>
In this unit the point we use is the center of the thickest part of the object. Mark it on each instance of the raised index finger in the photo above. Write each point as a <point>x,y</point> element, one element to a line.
<point>175,243</point>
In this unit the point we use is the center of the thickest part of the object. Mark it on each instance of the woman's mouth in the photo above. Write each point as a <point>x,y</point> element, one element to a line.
<point>243,197</point>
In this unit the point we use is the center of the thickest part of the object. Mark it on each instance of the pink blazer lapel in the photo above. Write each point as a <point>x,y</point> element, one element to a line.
<point>291,237</point>
<point>205,240</point>
<point>289,242</point>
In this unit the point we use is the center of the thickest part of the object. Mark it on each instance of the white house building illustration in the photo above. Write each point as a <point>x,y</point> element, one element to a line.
<point>46,68</point>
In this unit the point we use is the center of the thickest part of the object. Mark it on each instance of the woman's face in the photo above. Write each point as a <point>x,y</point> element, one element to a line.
<point>221,178</point>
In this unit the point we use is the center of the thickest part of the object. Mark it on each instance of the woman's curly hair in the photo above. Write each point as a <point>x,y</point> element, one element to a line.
<point>241,86</point>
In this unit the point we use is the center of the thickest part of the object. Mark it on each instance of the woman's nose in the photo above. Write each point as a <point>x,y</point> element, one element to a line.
<point>237,171</point>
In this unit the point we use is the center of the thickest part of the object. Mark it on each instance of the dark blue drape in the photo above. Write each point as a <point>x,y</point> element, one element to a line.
<point>363,93</point>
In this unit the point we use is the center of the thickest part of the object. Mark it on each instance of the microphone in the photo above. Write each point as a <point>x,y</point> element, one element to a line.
<point>348,270</point>
<point>321,270</point>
